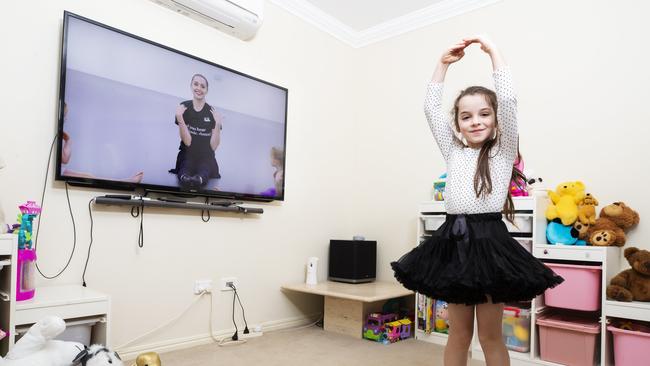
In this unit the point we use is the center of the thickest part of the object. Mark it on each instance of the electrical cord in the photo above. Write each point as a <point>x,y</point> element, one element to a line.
<point>246,331</point>
<point>139,211</point>
<point>90,213</point>
<point>207,202</point>
<point>170,321</point>
<point>38,226</point>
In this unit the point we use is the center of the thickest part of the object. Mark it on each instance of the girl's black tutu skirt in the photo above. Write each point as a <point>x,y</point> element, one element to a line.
<point>472,256</point>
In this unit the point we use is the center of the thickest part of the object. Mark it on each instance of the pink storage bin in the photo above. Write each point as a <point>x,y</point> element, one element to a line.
<point>568,339</point>
<point>630,346</point>
<point>580,289</point>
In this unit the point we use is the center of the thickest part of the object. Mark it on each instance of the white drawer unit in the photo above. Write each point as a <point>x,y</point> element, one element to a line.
<point>569,252</point>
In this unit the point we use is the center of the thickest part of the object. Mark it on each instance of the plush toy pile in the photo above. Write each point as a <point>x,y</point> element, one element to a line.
<point>572,218</point>
<point>38,348</point>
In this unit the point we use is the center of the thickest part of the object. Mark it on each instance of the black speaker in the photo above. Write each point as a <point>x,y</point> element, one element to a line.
<point>352,261</point>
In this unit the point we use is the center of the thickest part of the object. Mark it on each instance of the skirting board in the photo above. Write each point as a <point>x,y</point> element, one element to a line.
<point>130,353</point>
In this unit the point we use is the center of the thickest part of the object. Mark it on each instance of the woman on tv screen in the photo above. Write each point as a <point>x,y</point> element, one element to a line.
<point>199,127</point>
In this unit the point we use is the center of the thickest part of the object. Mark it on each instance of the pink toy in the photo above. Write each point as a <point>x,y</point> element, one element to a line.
<point>30,208</point>
<point>518,187</point>
<point>25,287</point>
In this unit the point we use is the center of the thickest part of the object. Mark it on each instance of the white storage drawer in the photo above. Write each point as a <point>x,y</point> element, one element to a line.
<point>569,252</point>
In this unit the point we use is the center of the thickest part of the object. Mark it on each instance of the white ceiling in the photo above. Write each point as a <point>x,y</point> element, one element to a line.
<point>363,14</point>
<point>362,22</point>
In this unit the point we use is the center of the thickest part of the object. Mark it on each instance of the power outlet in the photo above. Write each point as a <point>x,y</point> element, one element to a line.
<point>225,281</point>
<point>202,285</point>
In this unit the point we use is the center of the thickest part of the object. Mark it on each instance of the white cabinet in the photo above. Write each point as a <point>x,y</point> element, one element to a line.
<point>531,225</point>
<point>75,304</point>
<point>8,251</point>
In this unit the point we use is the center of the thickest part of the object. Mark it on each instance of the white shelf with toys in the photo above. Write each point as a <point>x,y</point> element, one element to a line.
<point>531,230</point>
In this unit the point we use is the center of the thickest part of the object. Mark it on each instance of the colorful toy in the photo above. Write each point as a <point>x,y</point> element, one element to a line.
<point>516,328</point>
<point>375,327</point>
<point>556,233</point>
<point>398,330</point>
<point>442,317</point>
<point>28,213</point>
<point>610,227</point>
<point>26,276</point>
<point>439,187</point>
<point>632,284</point>
<point>518,186</point>
<point>565,202</point>
<point>587,209</point>
<point>38,347</point>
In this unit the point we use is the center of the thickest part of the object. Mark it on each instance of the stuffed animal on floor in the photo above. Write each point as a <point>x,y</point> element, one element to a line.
<point>632,284</point>
<point>564,203</point>
<point>610,227</point>
<point>38,348</point>
<point>587,209</point>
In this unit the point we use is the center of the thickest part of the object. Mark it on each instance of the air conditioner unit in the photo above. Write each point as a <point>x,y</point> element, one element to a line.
<point>239,18</point>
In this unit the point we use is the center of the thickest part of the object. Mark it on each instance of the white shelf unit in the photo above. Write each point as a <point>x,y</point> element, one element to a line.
<point>8,259</point>
<point>530,217</point>
<point>73,303</point>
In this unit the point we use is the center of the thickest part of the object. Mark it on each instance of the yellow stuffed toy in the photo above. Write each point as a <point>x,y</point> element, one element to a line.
<point>564,203</point>
<point>587,210</point>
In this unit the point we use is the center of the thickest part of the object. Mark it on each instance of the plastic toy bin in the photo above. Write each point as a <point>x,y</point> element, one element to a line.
<point>580,289</point>
<point>567,339</point>
<point>630,346</point>
<point>516,328</point>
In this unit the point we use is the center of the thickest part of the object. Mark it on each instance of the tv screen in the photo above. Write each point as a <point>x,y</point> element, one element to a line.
<point>137,114</point>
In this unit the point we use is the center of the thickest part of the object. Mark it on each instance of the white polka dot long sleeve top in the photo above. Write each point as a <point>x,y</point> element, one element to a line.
<point>460,197</point>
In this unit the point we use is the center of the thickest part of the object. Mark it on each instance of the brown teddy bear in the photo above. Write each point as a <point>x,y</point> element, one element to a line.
<point>609,229</point>
<point>632,284</point>
<point>587,209</point>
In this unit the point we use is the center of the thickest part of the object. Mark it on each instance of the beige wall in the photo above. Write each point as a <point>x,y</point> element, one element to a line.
<point>360,155</point>
<point>149,286</point>
<point>581,73</point>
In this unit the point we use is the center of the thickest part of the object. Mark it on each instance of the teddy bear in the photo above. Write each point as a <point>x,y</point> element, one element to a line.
<point>564,203</point>
<point>587,209</point>
<point>582,229</point>
<point>39,348</point>
<point>632,284</point>
<point>609,229</point>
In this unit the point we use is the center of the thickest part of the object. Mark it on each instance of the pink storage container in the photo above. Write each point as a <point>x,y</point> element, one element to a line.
<point>580,289</point>
<point>630,346</point>
<point>567,339</point>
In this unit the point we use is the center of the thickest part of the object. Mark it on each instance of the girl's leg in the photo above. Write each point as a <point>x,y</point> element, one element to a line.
<point>461,329</point>
<point>489,317</point>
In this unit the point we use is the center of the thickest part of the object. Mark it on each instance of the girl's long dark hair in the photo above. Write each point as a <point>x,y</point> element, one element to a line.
<point>482,179</point>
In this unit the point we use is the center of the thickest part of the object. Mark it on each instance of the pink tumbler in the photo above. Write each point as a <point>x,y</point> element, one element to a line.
<point>26,276</point>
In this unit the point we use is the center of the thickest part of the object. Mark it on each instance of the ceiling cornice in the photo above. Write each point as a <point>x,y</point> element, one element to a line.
<point>432,14</point>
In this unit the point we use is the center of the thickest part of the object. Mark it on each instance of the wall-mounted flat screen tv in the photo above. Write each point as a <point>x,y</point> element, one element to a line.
<point>137,114</point>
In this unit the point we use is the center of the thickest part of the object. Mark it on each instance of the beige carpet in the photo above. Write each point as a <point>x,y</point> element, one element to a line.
<point>309,347</point>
